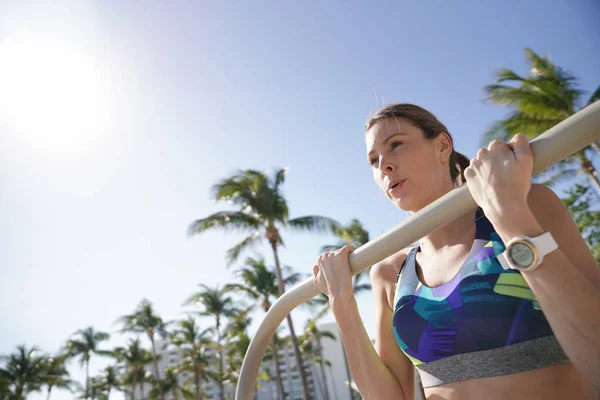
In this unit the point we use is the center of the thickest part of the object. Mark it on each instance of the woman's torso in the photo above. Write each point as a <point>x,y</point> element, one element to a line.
<point>482,334</point>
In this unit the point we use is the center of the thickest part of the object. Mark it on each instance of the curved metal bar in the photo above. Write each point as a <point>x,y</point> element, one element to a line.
<point>556,144</point>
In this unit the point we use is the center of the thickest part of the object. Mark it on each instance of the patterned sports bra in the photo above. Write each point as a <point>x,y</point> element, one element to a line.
<point>483,322</point>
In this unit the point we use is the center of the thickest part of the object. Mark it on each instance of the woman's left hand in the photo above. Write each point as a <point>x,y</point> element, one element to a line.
<point>499,178</point>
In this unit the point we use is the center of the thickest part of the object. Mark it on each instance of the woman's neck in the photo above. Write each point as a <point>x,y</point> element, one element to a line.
<point>461,231</point>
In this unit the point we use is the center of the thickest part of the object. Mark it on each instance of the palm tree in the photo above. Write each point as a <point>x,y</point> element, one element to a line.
<point>96,392</point>
<point>135,358</point>
<point>84,346</point>
<point>238,342</point>
<point>193,344</point>
<point>262,213</point>
<point>109,379</point>
<point>215,303</point>
<point>5,392</point>
<point>538,102</point>
<point>145,320</point>
<point>583,203</point>
<point>169,384</point>
<point>260,284</point>
<point>56,374</point>
<point>312,345</point>
<point>24,371</point>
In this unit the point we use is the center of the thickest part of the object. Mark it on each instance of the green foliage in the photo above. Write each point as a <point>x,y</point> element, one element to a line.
<point>537,102</point>
<point>261,208</point>
<point>582,202</point>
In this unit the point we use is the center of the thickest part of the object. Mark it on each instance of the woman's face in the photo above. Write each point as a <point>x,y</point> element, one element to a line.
<point>412,170</point>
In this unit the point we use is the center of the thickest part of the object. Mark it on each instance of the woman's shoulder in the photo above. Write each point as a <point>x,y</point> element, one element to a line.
<point>388,268</point>
<point>384,274</point>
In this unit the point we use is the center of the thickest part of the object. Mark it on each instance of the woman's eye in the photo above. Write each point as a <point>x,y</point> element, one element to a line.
<point>395,144</point>
<point>372,161</point>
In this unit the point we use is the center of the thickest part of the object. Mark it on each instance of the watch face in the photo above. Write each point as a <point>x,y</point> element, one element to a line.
<point>521,255</point>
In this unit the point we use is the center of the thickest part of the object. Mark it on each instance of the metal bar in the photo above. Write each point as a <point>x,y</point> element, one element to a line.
<point>556,144</point>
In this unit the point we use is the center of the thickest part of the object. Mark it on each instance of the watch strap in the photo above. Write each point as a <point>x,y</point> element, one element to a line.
<point>545,244</point>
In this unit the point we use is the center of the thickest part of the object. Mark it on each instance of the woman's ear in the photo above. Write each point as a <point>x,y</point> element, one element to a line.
<point>444,144</point>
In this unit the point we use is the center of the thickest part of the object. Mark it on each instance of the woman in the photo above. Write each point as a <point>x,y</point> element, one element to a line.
<point>465,305</point>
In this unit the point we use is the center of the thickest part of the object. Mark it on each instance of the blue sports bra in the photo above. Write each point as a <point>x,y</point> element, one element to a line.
<point>483,322</point>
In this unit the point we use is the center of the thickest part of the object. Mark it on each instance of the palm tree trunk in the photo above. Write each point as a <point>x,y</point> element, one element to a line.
<point>299,363</point>
<point>320,350</point>
<point>280,392</point>
<point>87,378</point>
<point>155,363</point>
<point>348,375</point>
<point>197,382</point>
<point>588,168</point>
<point>221,361</point>
<point>49,390</point>
<point>19,392</point>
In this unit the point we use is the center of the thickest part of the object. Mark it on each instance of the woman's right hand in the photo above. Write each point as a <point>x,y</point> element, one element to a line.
<point>332,274</point>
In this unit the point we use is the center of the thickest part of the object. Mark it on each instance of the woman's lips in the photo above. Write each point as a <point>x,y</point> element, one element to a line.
<point>396,186</point>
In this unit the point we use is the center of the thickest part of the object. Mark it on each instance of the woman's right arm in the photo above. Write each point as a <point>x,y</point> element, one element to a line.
<point>382,372</point>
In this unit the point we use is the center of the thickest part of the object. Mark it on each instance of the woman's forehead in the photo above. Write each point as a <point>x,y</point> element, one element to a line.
<point>386,128</point>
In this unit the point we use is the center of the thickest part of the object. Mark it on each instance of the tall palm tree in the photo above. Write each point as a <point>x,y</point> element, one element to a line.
<point>355,235</point>
<point>169,384</point>
<point>193,344</point>
<point>24,372</point>
<point>83,345</point>
<point>5,392</point>
<point>216,303</point>
<point>135,358</point>
<point>259,283</point>
<point>56,374</point>
<point>145,320</point>
<point>312,345</point>
<point>547,96</point>
<point>95,392</point>
<point>262,212</point>
<point>109,379</point>
<point>238,342</point>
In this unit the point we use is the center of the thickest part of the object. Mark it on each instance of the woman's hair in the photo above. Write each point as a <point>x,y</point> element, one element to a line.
<point>431,128</point>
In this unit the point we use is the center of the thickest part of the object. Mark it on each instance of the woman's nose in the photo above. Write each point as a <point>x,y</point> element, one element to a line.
<point>386,166</point>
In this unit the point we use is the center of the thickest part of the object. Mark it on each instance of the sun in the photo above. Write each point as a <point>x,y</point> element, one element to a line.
<point>55,95</point>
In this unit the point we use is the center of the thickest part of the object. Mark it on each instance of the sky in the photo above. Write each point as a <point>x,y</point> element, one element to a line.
<point>117,117</point>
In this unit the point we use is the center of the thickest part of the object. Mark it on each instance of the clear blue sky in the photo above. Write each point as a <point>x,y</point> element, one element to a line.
<point>119,116</point>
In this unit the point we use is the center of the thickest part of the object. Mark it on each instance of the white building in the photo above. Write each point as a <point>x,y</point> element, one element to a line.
<point>336,375</point>
<point>292,386</point>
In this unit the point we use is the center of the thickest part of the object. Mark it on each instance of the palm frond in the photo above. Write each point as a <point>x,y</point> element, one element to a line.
<point>331,247</point>
<point>555,177</point>
<point>313,223</point>
<point>248,242</point>
<point>594,97</point>
<point>280,178</point>
<point>228,220</point>
<point>362,288</point>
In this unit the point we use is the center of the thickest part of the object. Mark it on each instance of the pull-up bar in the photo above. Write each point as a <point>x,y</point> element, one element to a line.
<point>556,144</point>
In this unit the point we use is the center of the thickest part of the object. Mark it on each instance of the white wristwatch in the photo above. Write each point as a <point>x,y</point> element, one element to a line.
<point>525,253</point>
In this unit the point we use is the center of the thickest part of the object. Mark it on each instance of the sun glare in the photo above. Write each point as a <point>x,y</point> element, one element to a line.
<point>55,96</point>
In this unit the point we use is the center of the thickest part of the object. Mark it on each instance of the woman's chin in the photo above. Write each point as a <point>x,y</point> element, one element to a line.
<point>407,203</point>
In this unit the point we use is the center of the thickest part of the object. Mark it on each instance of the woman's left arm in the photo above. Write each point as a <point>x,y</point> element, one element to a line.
<point>567,283</point>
